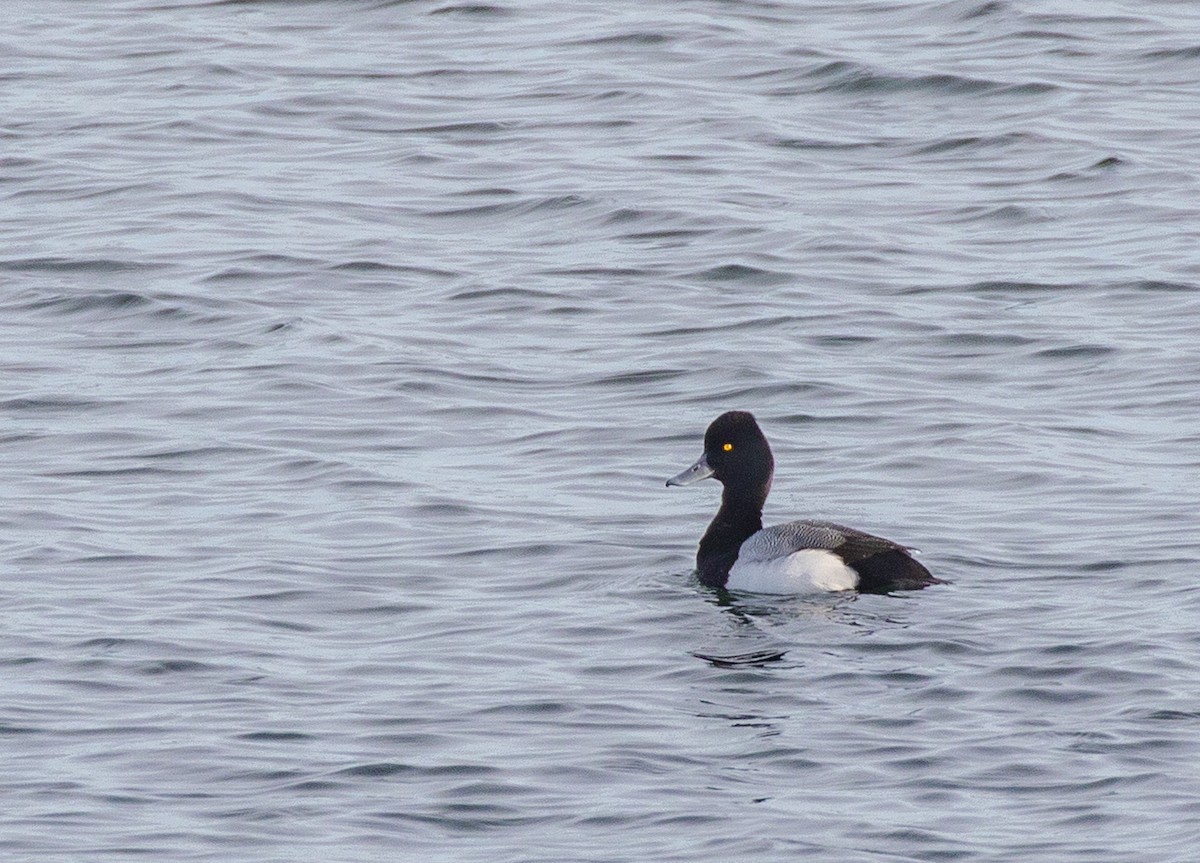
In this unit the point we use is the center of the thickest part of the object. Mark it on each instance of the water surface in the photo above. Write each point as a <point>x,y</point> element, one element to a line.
<point>347,345</point>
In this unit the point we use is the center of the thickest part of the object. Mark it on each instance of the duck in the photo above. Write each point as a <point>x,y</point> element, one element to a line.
<point>738,554</point>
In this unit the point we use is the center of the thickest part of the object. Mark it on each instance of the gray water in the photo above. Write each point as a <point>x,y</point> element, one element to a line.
<point>345,347</point>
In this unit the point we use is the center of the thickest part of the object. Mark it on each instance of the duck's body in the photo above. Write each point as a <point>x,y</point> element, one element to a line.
<point>737,553</point>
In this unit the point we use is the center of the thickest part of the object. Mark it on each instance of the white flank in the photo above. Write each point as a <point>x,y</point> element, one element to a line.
<point>800,572</point>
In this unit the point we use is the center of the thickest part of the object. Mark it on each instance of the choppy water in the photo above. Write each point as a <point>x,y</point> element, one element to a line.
<point>345,347</point>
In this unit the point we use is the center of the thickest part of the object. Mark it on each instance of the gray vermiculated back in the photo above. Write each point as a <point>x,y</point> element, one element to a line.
<point>781,540</point>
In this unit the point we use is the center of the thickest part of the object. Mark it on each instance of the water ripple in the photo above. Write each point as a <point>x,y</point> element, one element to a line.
<point>346,355</point>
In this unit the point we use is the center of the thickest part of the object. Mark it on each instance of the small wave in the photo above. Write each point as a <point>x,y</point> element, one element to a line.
<point>638,39</point>
<point>264,265</point>
<point>365,266</point>
<point>73,265</point>
<point>817,144</point>
<point>506,292</point>
<point>36,405</point>
<point>529,709</point>
<point>844,76</point>
<point>380,770</point>
<point>474,10</point>
<point>1016,287</point>
<point>972,142</point>
<point>108,642</point>
<point>483,127</point>
<point>510,208</point>
<point>741,273</point>
<point>1108,163</point>
<point>985,340</point>
<point>1056,36</point>
<point>640,377</point>
<point>158,667</point>
<point>487,191</point>
<point>608,272</point>
<point>110,473</point>
<point>667,234</point>
<point>1009,213</point>
<point>125,303</point>
<point>1189,52</point>
<point>232,274</point>
<point>1156,286</point>
<point>841,341</point>
<point>740,660</point>
<point>7,728</point>
<point>1076,352</point>
<point>274,736</point>
<point>983,10</point>
<point>768,393</point>
<point>725,327</point>
<point>1174,715</point>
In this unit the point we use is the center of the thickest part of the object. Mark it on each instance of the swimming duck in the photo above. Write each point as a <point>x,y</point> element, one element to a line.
<point>738,553</point>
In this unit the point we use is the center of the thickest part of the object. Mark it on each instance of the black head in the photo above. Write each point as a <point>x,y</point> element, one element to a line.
<point>737,451</point>
<point>736,454</point>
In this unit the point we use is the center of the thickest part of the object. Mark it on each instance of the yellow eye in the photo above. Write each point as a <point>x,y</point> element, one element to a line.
<point>727,447</point>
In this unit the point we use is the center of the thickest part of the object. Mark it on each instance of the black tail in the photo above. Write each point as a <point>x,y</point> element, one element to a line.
<point>891,570</point>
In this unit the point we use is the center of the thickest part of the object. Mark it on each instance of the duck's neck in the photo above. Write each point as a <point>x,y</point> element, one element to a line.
<point>739,518</point>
